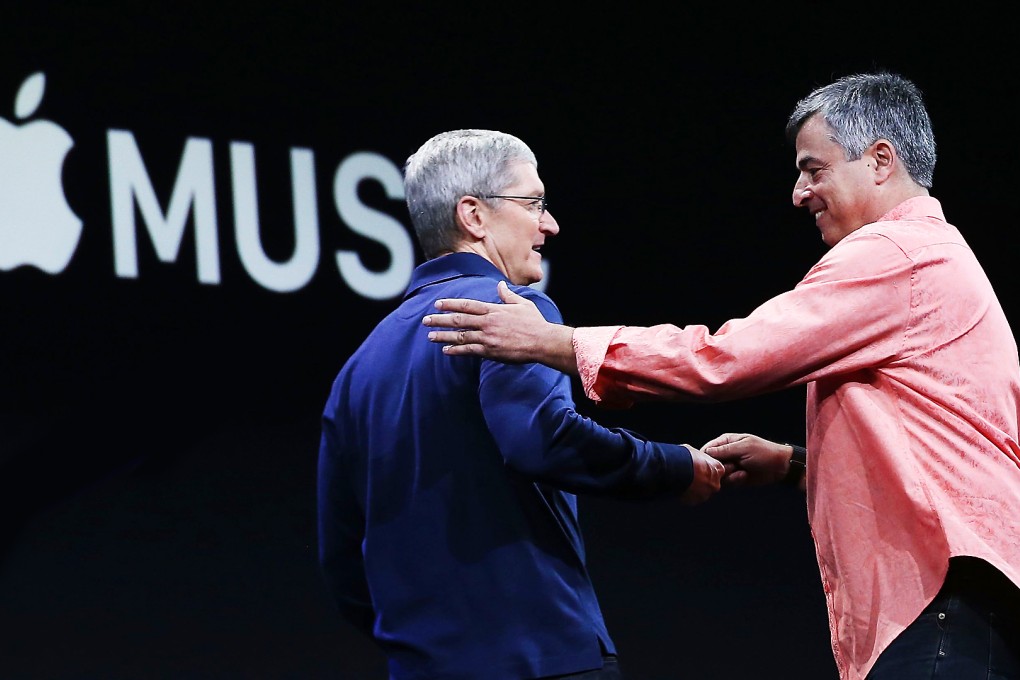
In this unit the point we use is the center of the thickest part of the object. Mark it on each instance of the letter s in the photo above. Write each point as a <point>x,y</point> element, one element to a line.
<point>375,225</point>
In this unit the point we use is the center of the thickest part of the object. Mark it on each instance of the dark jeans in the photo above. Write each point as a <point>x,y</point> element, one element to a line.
<point>610,671</point>
<point>971,630</point>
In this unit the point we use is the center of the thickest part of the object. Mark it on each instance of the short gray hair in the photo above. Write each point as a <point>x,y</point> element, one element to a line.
<point>452,165</point>
<point>861,109</point>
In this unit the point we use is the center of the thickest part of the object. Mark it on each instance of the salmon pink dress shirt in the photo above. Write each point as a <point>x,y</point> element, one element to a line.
<point>913,386</point>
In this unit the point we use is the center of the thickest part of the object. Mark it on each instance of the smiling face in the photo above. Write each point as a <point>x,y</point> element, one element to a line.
<point>839,194</point>
<point>516,229</point>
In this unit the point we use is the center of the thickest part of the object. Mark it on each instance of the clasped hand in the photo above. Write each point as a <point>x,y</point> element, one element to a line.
<point>749,460</point>
<point>735,460</point>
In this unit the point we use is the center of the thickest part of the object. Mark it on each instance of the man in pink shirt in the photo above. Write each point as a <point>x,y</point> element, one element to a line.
<point>913,389</point>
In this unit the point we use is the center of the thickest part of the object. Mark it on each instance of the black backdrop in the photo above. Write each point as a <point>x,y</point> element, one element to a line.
<point>158,434</point>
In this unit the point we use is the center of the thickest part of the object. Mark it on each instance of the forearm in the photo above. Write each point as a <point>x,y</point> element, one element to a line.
<point>530,413</point>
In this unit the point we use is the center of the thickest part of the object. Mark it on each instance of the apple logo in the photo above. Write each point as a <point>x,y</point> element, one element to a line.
<point>37,227</point>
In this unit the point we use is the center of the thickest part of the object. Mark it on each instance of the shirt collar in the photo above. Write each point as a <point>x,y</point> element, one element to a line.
<point>918,206</point>
<point>452,266</point>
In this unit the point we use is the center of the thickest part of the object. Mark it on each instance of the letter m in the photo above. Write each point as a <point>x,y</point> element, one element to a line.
<point>193,192</point>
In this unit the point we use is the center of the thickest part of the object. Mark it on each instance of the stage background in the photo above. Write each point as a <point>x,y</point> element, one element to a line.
<point>158,433</point>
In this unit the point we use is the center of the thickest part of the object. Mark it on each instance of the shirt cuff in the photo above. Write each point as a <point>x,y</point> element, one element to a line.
<point>590,348</point>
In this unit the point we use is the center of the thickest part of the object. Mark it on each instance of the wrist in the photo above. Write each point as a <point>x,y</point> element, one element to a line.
<point>561,347</point>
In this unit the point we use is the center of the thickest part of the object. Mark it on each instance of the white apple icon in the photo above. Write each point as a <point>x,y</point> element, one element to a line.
<point>37,227</point>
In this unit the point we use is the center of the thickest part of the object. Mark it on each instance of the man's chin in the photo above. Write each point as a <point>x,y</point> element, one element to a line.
<point>528,278</point>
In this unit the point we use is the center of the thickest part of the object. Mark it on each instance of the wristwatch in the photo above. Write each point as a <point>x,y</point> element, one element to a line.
<point>798,465</point>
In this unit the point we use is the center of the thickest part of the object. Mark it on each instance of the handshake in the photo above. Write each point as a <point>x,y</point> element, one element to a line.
<point>736,460</point>
<point>515,331</point>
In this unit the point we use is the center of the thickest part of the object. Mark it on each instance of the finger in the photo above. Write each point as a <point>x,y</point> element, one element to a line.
<point>464,350</point>
<point>451,320</point>
<point>458,338</point>
<point>726,438</point>
<point>735,479</point>
<point>507,295</point>
<point>465,305</point>
<point>725,452</point>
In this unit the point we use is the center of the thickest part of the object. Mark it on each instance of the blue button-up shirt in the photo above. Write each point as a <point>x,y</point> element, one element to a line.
<point>448,522</point>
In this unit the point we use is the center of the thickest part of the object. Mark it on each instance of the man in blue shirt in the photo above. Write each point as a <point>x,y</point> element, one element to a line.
<point>448,527</point>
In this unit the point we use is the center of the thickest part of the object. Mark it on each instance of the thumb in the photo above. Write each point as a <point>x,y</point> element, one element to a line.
<point>507,295</point>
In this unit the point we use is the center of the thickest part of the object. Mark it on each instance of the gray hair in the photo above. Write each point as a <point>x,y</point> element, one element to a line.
<point>861,109</point>
<point>455,164</point>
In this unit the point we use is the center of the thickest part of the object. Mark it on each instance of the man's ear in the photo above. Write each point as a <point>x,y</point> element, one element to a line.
<point>883,159</point>
<point>472,214</point>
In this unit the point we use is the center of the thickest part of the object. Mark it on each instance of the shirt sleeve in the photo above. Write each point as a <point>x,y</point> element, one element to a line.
<point>341,530</point>
<point>850,311</point>
<point>529,410</point>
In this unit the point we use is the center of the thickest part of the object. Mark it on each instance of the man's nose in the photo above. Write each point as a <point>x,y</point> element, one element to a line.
<point>548,223</point>
<point>800,193</point>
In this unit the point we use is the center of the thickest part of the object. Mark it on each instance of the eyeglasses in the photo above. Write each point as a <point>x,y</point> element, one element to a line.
<point>537,204</point>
